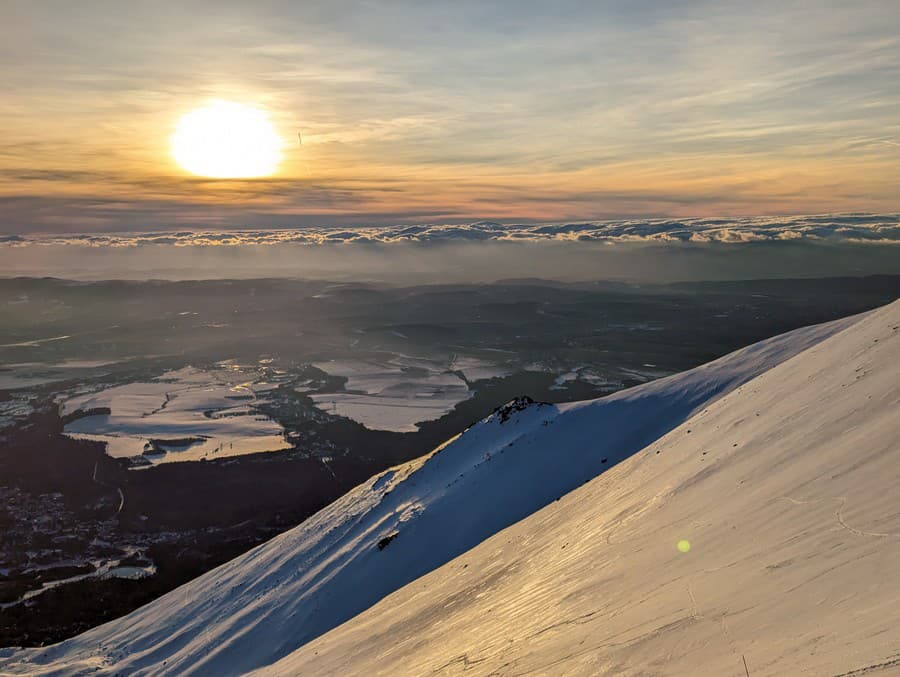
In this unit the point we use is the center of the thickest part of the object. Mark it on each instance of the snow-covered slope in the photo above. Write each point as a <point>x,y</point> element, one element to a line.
<point>787,491</point>
<point>521,596</point>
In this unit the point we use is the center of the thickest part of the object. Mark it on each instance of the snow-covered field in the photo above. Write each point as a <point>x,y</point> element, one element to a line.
<point>183,415</point>
<point>102,568</point>
<point>393,394</point>
<point>741,511</point>
<point>31,374</point>
<point>14,411</point>
<point>474,369</point>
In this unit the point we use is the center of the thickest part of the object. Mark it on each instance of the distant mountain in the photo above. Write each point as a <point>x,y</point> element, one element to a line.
<point>745,510</point>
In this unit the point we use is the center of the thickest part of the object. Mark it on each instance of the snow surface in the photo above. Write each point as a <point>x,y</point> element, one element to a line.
<point>776,462</point>
<point>394,394</point>
<point>786,491</point>
<point>474,369</point>
<point>184,415</point>
<point>30,374</point>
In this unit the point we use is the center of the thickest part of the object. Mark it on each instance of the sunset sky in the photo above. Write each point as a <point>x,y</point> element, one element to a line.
<point>444,112</point>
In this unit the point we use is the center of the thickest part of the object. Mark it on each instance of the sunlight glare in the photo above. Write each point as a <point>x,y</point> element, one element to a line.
<point>227,140</point>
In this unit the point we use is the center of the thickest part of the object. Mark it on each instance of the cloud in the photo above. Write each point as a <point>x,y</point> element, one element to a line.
<point>833,228</point>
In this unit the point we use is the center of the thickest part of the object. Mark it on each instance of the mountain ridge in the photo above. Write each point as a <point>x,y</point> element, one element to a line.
<point>763,529</point>
<point>267,604</point>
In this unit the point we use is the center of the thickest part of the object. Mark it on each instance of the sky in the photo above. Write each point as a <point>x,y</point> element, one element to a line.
<point>440,112</point>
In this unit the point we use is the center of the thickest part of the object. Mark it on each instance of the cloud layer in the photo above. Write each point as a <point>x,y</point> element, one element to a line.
<point>831,228</point>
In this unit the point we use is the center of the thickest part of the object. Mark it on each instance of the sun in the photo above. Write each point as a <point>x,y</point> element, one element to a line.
<point>226,140</point>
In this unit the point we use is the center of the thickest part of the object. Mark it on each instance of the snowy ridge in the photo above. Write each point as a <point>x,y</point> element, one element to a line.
<point>784,494</point>
<point>409,521</point>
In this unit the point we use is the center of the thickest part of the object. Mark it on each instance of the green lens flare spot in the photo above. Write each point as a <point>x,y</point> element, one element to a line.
<point>684,546</point>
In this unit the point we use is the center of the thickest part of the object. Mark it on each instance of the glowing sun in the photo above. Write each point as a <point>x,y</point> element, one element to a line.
<point>226,140</point>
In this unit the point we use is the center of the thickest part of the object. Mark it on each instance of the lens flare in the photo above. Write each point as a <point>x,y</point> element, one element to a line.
<point>684,546</point>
